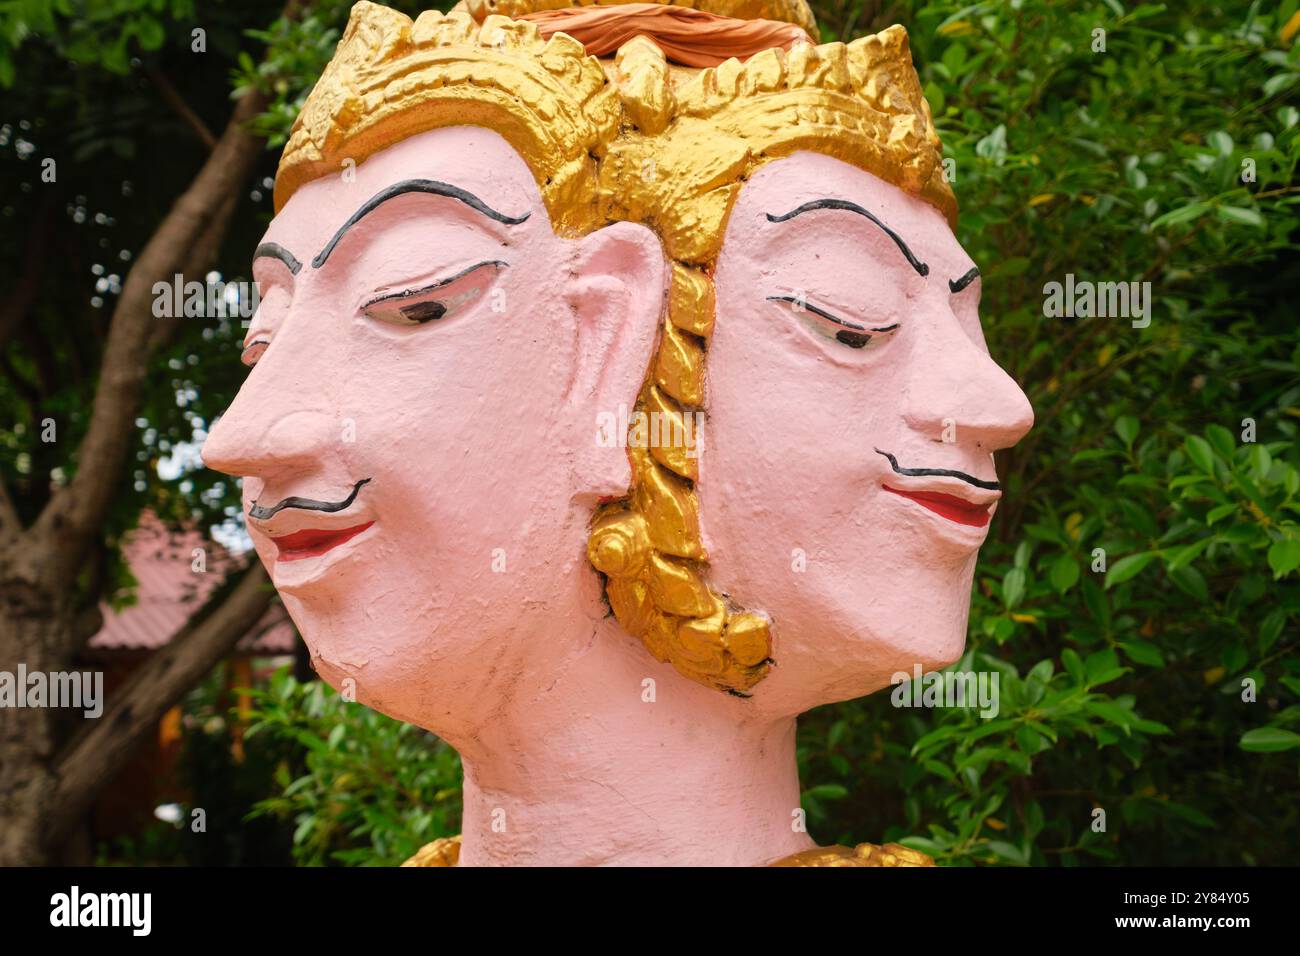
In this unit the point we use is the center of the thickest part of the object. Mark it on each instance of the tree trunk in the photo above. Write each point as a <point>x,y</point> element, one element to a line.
<point>38,625</point>
<point>90,757</point>
<point>30,633</point>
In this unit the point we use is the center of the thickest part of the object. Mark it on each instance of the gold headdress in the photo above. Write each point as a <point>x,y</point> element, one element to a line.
<point>391,78</point>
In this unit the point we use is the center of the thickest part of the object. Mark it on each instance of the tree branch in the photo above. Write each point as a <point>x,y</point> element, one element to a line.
<point>86,762</point>
<point>197,220</point>
<point>172,97</point>
<point>9,520</point>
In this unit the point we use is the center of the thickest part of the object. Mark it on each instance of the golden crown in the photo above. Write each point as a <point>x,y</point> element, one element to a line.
<point>391,78</point>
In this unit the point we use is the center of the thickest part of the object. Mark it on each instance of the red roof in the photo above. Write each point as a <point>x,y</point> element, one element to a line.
<point>176,573</point>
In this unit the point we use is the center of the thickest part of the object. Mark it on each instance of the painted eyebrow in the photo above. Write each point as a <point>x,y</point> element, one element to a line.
<point>273,250</point>
<point>959,284</point>
<point>917,264</point>
<point>431,186</point>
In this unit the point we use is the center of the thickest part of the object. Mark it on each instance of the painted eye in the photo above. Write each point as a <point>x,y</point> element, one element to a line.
<point>830,326</point>
<point>854,340</point>
<point>432,303</point>
<point>253,351</point>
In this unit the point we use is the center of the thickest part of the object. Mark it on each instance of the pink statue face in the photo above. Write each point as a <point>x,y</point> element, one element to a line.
<point>848,479</point>
<point>415,433</point>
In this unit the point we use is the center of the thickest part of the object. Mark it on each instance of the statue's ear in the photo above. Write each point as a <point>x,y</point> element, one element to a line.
<point>618,293</point>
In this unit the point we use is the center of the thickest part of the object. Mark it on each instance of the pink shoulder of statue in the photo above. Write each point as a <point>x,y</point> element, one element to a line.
<point>448,327</point>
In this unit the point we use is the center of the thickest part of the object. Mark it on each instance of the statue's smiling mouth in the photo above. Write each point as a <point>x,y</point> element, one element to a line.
<point>972,505</point>
<point>309,527</point>
<point>949,506</point>
<point>311,542</point>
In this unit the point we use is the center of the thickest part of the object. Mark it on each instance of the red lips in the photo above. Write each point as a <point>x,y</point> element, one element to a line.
<point>949,506</point>
<point>311,542</point>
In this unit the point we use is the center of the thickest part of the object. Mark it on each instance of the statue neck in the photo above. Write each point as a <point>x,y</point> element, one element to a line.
<point>603,767</point>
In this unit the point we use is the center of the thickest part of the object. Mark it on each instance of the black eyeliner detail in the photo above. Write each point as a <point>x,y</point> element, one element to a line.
<point>411,293</point>
<point>273,250</point>
<point>964,281</point>
<point>917,264</point>
<point>306,504</point>
<point>795,300</point>
<point>855,338</point>
<point>939,472</point>
<point>431,186</point>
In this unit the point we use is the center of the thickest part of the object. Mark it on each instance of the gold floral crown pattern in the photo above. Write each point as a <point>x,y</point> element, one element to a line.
<point>391,78</point>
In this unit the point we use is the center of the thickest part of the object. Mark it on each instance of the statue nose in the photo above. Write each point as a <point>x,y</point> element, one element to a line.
<point>248,442</point>
<point>959,387</point>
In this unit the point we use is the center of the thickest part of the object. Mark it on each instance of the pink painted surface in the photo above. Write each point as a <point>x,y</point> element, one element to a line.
<point>464,603</point>
<point>793,472</point>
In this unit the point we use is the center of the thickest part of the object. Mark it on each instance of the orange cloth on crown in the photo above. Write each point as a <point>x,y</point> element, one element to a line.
<point>688,37</point>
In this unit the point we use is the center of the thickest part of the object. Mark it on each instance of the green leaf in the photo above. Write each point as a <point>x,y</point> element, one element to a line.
<point>1144,652</point>
<point>1260,461</point>
<point>1184,556</point>
<point>150,33</point>
<point>1064,573</point>
<point>1008,851</point>
<point>1073,665</point>
<point>1181,214</point>
<point>1013,587</point>
<point>1126,427</point>
<point>1282,81</point>
<point>1221,440</point>
<point>1284,556</point>
<point>1221,141</point>
<point>1265,740</point>
<point>1191,582</point>
<point>1219,513</point>
<point>1102,666</point>
<point>1198,449</point>
<point>1111,712</point>
<point>827,791</point>
<point>1127,567</point>
<point>1242,214</point>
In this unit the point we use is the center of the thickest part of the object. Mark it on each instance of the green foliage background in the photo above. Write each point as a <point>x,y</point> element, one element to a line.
<point>1126,690</point>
